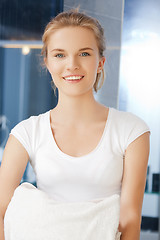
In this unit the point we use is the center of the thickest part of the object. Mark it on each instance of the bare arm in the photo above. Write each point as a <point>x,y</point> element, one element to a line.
<point>133,185</point>
<point>13,165</point>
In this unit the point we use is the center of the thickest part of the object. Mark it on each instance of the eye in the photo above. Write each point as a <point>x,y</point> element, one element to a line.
<point>59,55</point>
<point>84,54</point>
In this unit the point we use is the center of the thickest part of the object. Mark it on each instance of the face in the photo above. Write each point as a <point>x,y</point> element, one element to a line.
<point>73,60</point>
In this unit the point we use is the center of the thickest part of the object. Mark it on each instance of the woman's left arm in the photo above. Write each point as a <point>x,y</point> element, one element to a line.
<point>133,185</point>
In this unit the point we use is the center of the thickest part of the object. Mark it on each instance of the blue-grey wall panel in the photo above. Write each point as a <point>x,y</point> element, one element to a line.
<point>12,63</point>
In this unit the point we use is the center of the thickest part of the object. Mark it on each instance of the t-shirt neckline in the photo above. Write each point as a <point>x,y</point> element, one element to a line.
<point>67,156</point>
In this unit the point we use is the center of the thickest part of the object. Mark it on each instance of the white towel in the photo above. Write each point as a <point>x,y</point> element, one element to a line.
<point>33,215</point>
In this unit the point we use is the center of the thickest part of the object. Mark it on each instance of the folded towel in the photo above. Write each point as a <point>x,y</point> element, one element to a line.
<point>33,215</point>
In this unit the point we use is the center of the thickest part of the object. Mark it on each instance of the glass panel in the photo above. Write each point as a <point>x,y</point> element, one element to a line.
<point>24,85</point>
<point>25,20</point>
<point>139,89</point>
<point>25,91</point>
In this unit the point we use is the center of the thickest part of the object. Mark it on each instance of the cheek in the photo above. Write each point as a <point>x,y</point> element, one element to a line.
<point>94,67</point>
<point>54,68</point>
<point>95,63</point>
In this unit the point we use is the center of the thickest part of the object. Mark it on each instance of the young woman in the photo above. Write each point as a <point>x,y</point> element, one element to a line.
<point>81,150</point>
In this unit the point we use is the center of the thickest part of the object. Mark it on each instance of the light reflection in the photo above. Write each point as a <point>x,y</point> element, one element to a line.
<point>25,50</point>
<point>140,69</point>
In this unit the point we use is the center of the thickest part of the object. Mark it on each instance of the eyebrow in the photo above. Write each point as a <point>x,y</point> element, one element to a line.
<point>62,50</point>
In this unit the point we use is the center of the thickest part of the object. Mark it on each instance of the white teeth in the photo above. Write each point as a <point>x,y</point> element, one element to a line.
<point>73,78</point>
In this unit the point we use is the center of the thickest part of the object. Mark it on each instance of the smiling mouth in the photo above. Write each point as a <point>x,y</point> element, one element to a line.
<point>73,78</point>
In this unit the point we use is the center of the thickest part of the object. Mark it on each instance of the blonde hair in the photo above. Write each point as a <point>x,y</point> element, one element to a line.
<point>75,18</point>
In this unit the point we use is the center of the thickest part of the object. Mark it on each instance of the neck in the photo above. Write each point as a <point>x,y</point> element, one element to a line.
<point>79,109</point>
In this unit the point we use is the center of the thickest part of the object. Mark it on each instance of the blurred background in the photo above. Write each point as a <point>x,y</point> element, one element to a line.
<point>132,30</point>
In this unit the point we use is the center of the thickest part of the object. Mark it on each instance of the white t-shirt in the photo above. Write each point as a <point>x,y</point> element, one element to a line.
<point>91,177</point>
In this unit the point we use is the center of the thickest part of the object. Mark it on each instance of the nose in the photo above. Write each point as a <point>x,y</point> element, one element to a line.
<point>72,63</point>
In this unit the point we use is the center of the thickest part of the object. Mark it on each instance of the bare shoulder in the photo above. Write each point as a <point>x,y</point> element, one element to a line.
<point>14,153</point>
<point>136,159</point>
<point>139,147</point>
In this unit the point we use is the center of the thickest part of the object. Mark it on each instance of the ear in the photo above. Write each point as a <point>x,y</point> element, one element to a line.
<point>101,64</point>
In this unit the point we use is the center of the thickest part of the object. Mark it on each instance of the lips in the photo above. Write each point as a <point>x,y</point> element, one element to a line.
<point>73,78</point>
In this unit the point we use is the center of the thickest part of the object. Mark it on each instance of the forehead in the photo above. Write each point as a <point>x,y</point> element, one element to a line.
<point>71,37</point>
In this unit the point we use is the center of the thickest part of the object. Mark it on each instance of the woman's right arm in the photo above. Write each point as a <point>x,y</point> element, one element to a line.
<point>14,162</point>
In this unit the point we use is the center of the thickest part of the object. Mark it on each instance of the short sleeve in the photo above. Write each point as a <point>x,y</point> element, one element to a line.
<point>134,128</point>
<point>23,132</point>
